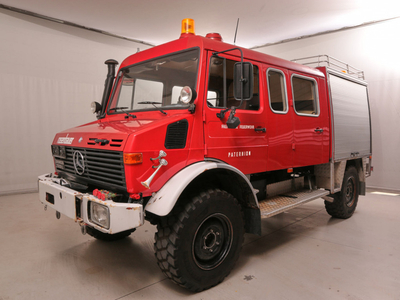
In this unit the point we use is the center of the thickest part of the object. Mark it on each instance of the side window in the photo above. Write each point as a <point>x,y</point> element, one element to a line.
<point>277,91</point>
<point>220,88</point>
<point>305,99</point>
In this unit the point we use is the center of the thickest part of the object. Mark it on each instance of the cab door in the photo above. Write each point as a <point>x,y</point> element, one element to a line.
<point>310,121</point>
<point>279,120</point>
<point>246,146</point>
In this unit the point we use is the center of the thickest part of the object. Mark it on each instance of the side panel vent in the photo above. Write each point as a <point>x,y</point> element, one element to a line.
<point>176,135</point>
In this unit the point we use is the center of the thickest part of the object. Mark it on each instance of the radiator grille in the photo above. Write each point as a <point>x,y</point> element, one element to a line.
<point>100,166</point>
<point>176,135</point>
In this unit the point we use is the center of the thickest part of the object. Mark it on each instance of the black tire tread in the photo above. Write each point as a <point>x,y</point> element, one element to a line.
<point>166,240</point>
<point>336,208</point>
<point>336,211</point>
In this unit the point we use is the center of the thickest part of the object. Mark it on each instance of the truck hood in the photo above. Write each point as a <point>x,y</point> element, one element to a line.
<point>109,134</point>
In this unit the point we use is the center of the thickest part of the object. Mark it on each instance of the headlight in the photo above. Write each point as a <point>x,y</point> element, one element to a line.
<point>55,150</point>
<point>59,151</point>
<point>99,215</point>
<point>63,153</point>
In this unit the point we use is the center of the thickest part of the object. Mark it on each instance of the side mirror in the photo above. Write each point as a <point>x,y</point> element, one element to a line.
<point>243,84</point>
<point>95,107</point>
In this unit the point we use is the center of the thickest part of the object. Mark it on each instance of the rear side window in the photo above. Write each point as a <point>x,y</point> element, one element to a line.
<point>305,99</point>
<point>277,91</point>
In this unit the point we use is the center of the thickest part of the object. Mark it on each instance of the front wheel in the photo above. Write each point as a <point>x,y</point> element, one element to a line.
<point>198,247</point>
<point>345,201</point>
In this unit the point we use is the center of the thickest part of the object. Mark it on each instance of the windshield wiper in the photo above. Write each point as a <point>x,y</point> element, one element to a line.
<point>154,104</point>
<point>123,110</point>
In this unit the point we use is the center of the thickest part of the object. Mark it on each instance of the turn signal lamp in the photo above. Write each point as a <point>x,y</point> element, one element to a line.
<point>133,158</point>
<point>187,27</point>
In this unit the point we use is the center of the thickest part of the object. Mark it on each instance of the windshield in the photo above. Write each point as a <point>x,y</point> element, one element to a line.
<point>155,83</point>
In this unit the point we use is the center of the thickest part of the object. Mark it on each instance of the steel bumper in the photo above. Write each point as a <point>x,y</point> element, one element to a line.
<point>75,205</point>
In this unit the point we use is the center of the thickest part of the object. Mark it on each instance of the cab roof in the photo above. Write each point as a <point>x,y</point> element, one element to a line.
<point>204,43</point>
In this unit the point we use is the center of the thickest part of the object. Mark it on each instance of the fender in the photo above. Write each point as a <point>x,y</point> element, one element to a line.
<point>164,200</point>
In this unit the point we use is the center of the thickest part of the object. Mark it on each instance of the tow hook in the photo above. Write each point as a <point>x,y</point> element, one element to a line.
<point>83,229</point>
<point>58,215</point>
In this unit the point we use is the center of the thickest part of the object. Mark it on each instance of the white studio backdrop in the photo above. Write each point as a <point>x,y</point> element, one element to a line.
<point>375,50</point>
<point>49,75</point>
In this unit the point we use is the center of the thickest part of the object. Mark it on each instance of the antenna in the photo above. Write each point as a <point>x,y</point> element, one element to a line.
<point>237,25</point>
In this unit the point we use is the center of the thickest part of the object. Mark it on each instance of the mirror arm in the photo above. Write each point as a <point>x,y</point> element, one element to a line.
<point>222,113</point>
<point>233,122</point>
<point>192,108</point>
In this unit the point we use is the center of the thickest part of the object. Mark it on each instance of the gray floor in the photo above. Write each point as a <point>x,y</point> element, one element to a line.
<point>302,254</point>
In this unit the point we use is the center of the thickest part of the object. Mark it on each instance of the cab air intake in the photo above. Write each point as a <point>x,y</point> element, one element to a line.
<point>176,135</point>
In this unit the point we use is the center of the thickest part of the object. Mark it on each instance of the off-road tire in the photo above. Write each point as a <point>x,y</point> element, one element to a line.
<point>198,246</point>
<point>345,201</point>
<point>108,237</point>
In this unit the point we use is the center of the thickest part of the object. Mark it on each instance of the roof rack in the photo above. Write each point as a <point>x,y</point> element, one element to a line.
<point>331,62</point>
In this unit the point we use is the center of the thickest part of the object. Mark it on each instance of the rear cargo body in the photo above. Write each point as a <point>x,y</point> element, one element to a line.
<point>351,136</point>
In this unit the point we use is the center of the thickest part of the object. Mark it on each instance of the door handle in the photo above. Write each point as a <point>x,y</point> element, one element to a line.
<point>260,130</point>
<point>318,130</point>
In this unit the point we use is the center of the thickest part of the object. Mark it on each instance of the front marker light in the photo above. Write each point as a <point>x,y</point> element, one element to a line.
<point>100,215</point>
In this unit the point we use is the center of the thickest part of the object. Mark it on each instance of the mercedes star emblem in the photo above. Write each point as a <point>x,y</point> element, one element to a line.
<point>79,163</point>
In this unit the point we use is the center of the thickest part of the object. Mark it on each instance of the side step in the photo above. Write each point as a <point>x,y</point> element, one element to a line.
<point>280,203</point>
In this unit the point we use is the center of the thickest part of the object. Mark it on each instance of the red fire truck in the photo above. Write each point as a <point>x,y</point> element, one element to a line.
<point>204,139</point>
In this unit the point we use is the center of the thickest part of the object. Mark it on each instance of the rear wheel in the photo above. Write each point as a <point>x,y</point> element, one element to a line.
<point>198,247</point>
<point>345,201</point>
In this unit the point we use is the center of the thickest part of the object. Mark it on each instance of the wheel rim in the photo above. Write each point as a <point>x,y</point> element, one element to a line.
<point>212,241</point>
<point>350,191</point>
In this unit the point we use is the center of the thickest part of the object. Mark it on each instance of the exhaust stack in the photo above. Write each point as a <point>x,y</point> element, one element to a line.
<point>111,63</point>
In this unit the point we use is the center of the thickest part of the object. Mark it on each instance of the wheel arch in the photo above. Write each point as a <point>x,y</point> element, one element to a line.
<point>359,165</point>
<point>204,175</point>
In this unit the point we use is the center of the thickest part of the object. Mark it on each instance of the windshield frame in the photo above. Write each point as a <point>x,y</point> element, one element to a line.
<point>118,82</point>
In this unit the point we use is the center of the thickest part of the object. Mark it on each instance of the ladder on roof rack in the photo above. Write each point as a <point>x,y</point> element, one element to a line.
<point>331,62</point>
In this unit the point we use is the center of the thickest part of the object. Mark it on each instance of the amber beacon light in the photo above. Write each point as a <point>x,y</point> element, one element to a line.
<point>187,26</point>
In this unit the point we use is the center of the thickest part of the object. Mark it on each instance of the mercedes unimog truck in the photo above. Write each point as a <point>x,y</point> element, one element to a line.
<point>204,139</point>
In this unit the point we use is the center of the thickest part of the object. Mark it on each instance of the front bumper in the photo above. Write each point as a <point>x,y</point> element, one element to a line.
<point>75,205</point>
